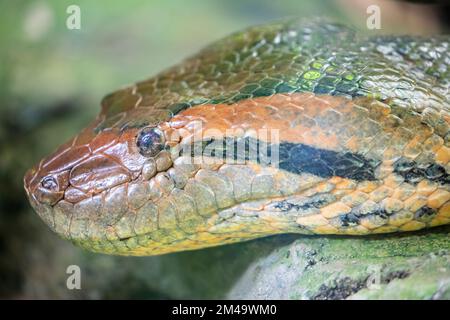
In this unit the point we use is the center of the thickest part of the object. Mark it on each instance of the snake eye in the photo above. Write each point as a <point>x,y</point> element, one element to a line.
<point>150,141</point>
<point>49,183</point>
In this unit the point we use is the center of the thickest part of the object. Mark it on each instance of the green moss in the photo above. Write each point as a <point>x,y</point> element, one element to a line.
<point>406,266</point>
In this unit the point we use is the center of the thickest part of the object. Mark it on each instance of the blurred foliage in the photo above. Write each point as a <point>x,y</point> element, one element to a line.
<point>51,82</point>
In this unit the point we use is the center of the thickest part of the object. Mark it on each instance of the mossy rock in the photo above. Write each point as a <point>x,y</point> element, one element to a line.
<point>407,266</point>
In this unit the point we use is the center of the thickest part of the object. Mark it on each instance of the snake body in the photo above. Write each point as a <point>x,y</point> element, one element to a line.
<point>290,127</point>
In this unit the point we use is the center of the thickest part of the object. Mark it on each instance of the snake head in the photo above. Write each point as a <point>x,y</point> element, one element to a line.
<point>87,170</point>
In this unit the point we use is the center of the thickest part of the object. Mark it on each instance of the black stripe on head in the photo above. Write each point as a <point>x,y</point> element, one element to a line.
<point>293,157</point>
<point>413,172</point>
<point>324,163</point>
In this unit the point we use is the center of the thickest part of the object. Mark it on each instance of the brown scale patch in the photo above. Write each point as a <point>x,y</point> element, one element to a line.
<point>300,118</point>
<point>443,155</point>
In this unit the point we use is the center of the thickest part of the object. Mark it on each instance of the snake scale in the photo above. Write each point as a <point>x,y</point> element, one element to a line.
<point>290,127</point>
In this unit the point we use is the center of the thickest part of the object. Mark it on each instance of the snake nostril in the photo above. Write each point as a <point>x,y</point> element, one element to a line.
<point>49,183</point>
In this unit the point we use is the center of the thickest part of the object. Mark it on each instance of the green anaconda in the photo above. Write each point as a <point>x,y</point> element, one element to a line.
<point>291,127</point>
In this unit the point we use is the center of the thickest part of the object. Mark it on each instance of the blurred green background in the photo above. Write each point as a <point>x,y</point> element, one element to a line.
<point>51,82</point>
